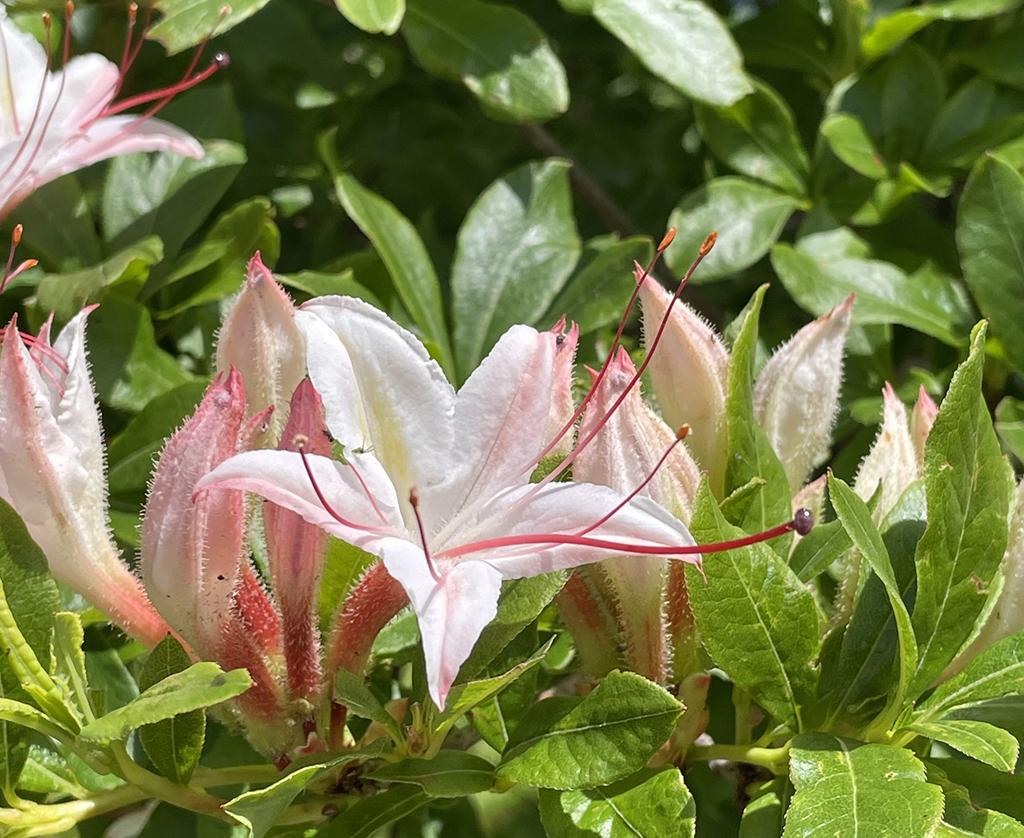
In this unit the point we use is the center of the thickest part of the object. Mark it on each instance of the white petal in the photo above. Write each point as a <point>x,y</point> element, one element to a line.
<point>891,460</point>
<point>797,392</point>
<point>382,392</point>
<point>22,68</point>
<point>501,418</point>
<point>451,612</point>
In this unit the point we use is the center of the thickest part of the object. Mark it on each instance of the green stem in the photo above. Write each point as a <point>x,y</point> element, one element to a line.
<point>66,815</point>
<point>235,775</point>
<point>156,786</point>
<point>775,760</point>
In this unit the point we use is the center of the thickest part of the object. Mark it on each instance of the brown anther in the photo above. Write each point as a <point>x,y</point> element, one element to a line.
<point>69,10</point>
<point>709,243</point>
<point>133,13</point>
<point>300,440</point>
<point>684,431</point>
<point>414,498</point>
<point>28,265</point>
<point>16,235</point>
<point>669,238</point>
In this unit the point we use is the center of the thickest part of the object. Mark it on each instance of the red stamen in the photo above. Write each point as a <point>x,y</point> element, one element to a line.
<point>69,10</point>
<point>801,522</point>
<point>681,434</point>
<point>165,94</point>
<point>15,241</point>
<point>366,490</point>
<point>705,249</point>
<point>414,502</point>
<point>300,444</point>
<point>662,247</point>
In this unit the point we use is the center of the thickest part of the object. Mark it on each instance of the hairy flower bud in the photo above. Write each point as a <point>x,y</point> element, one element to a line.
<point>891,462</point>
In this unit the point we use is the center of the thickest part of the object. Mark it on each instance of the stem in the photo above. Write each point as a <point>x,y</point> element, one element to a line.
<point>775,760</point>
<point>235,775</point>
<point>153,785</point>
<point>68,814</point>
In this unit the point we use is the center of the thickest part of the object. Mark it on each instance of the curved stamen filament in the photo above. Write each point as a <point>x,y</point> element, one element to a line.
<point>366,490</point>
<point>662,247</point>
<point>414,502</point>
<point>300,445</point>
<point>801,523</point>
<point>47,25</point>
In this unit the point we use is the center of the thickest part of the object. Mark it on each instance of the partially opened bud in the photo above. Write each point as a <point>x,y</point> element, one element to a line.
<point>562,405</point>
<point>296,549</point>
<point>52,471</point>
<point>690,373</point>
<point>259,338</point>
<point>921,420</point>
<point>797,392</point>
<point>891,461</point>
<point>635,448</point>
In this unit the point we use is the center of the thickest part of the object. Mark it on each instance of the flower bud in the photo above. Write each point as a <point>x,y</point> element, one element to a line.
<point>52,471</point>
<point>891,461</point>
<point>259,338</point>
<point>921,420</point>
<point>689,373</point>
<point>797,392</point>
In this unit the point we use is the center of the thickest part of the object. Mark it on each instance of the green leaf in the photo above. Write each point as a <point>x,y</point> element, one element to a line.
<point>258,811</point>
<point>446,774</point>
<point>350,690</point>
<point>856,519</point>
<point>516,248</point>
<point>764,816</point>
<point>681,41</point>
<point>28,717</point>
<point>850,789</point>
<point>323,284</point>
<point>893,29</point>
<point>1000,58</point>
<point>403,252</point>
<point>344,565</point>
<point>849,142</point>
<point>367,816</point>
<point>747,215</point>
<point>67,294</point>
<point>652,803</point>
<point>601,283</point>
<point>373,15</point>
<point>69,662</point>
<point>749,454</point>
<point>201,685</point>
<point>968,485</point>
<point>987,786</point>
<point>817,550</point>
<point>756,619</point>
<point>757,136</point>
<point>605,737</point>
<point>997,672</point>
<point>990,237</point>
<point>1010,425</point>
<point>962,818</point>
<point>497,52</point>
<point>173,745</point>
<point>132,451</point>
<point>59,225</point>
<point>185,23</point>
<point>132,370</point>
<point>821,272</point>
<point>978,740</point>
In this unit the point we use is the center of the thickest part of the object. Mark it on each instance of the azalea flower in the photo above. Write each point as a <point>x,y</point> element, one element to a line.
<point>53,122</point>
<point>52,471</point>
<point>435,482</point>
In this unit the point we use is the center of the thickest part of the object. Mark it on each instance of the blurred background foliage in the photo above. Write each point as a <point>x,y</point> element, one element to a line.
<point>466,165</point>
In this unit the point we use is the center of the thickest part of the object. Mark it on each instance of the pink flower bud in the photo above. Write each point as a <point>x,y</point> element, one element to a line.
<point>52,471</point>
<point>797,392</point>
<point>921,420</point>
<point>259,338</point>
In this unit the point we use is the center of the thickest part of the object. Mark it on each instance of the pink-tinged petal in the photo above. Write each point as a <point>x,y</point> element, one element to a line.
<point>260,339</point>
<point>296,549</point>
<point>381,390</point>
<point>921,420</point>
<point>451,612</point>
<point>191,553</point>
<point>797,393</point>
<point>280,477</point>
<point>22,69</point>
<point>891,461</point>
<point>501,419</point>
<point>562,404</point>
<point>51,459</point>
<point>689,373</point>
<point>559,508</point>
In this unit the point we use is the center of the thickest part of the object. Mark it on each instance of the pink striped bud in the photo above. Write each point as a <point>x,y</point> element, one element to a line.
<point>921,420</point>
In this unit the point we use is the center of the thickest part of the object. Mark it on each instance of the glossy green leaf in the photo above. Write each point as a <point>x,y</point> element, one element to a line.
<point>606,736</point>
<point>756,619</point>
<point>58,225</point>
<point>373,15</point>
<point>496,51</point>
<point>747,216</point>
<point>891,30</point>
<point>978,740</point>
<point>446,774</point>
<point>516,248</point>
<point>185,23</point>
<point>987,786</point>
<point>201,685</point>
<point>997,672</point>
<point>968,485</point>
<point>173,745</point>
<point>28,717</point>
<point>258,811</point>
<point>849,142</point>
<point>990,238</point>
<point>757,136</point>
<point>765,815</point>
<point>820,272</point>
<point>817,550</point>
<point>344,565</point>
<point>1010,425</point>
<point>654,802</point>
<point>350,691</point>
<point>681,41</point>
<point>404,254</point>
<point>866,790</point>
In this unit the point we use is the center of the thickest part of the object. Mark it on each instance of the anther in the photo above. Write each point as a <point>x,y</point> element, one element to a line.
<point>684,431</point>
<point>709,243</point>
<point>667,240</point>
